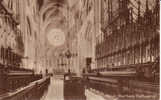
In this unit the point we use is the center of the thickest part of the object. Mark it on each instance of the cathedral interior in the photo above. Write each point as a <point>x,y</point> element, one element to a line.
<point>79,49</point>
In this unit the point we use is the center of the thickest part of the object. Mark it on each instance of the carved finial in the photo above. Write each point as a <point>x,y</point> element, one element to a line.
<point>139,4</point>
<point>147,5</point>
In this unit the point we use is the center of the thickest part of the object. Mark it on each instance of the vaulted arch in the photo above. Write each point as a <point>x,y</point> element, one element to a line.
<point>55,15</point>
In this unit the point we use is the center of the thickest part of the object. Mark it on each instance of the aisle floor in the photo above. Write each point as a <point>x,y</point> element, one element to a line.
<point>55,91</point>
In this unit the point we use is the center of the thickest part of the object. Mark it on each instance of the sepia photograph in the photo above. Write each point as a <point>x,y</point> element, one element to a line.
<point>79,49</point>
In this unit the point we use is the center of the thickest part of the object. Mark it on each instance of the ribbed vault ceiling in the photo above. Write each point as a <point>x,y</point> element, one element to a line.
<point>54,15</point>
